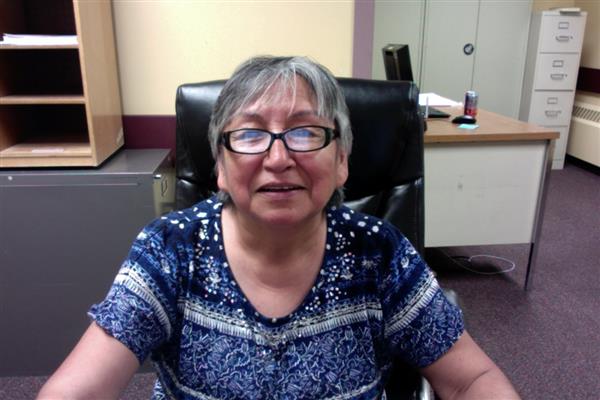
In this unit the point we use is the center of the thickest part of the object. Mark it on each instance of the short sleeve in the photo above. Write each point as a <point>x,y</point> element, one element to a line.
<point>420,323</point>
<point>141,303</point>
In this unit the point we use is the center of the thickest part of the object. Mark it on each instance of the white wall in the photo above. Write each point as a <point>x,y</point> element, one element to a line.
<point>398,19</point>
<point>164,43</point>
<point>590,54</point>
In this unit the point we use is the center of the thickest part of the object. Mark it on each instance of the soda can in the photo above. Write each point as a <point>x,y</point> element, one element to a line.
<point>471,98</point>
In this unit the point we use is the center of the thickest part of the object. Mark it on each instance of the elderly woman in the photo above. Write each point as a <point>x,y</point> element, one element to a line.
<point>271,289</point>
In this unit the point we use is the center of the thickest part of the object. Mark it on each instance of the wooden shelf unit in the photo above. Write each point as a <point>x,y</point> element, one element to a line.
<point>59,104</point>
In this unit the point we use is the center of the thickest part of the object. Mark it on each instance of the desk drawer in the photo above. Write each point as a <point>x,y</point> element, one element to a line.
<point>556,72</point>
<point>551,108</point>
<point>562,33</point>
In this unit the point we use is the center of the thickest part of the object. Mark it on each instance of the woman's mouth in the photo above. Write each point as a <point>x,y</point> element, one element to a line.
<point>276,189</point>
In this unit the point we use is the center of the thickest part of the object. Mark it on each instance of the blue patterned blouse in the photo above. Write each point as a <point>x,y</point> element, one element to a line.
<point>175,299</point>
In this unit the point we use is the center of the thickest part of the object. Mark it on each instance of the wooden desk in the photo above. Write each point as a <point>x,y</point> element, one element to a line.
<point>486,186</point>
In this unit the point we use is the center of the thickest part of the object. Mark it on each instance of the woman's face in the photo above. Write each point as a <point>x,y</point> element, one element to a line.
<point>281,186</point>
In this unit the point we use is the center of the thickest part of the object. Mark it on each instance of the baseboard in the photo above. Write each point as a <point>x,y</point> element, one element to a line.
<point>582,164</point>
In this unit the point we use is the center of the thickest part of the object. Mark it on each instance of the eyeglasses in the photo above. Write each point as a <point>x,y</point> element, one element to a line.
<point>298,139</point>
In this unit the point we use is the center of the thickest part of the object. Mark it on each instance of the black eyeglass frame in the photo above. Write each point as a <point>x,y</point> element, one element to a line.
<point>330,135</point>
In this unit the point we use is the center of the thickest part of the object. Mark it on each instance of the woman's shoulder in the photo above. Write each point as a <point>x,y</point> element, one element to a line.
<point>181,226</point>
<point>369,235</point>
<point>360,224</point>
<point>181,220</point>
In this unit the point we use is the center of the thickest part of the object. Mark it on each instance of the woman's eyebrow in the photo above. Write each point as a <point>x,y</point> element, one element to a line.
<point>304,113</point>
<point>247,116</point>
<point>252,116</point>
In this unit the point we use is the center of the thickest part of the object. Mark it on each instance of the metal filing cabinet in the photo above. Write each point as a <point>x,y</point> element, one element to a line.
<point>63,236</point>
<point>555,41</point>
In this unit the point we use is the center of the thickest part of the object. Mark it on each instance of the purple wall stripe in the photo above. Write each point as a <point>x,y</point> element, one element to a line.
<point>364,15</point>
<point>149,131</point>
<point>588,79</point>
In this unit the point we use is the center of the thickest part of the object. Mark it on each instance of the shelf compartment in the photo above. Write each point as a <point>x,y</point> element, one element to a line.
<point>39,17</point>
<point>73,146</point>
<point>43,132</point>
<point>5,46</point>
<point>40,72</point>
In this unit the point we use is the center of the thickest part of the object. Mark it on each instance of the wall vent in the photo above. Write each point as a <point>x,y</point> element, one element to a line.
<point>585,111</point>
<point>584,137</point>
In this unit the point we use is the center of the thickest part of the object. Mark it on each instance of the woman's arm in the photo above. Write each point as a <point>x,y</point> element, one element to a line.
<point>99,367</point>
<point>466,372</point>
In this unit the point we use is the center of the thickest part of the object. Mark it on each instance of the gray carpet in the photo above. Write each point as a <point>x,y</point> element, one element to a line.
<point>546,340</point>
<point>26,388</point>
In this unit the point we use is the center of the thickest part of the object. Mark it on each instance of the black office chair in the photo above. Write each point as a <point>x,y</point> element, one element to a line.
<point>386,165</point>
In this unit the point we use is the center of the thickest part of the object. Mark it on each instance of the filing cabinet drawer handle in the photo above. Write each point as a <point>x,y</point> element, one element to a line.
<point>164,187</point>
<point>563,38</point>
<point>164,184</point>
<point>557,77</point>
<point>552,113</point>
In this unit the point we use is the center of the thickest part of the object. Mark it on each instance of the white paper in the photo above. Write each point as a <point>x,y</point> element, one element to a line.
<point>567,10</point>
<point>38,40</point>
<point>435,100</point>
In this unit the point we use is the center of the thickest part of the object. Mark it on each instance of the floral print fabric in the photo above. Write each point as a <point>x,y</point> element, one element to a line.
<point>176,300</point>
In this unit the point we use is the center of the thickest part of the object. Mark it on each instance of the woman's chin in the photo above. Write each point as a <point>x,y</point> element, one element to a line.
<point>293,217</point>
<point>284,218</point>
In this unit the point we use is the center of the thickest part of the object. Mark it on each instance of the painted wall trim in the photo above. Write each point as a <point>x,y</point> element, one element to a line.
<point>364,17</point>
<point>149,132</point>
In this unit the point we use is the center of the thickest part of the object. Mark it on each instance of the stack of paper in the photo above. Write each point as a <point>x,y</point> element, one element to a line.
<point>435,100</point>
<point>38,40</point>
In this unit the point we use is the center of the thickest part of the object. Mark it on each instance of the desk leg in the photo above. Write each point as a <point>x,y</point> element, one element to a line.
<point>539,213</point>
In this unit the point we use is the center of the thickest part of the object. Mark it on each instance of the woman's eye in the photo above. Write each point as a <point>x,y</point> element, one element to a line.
<point>303,133</point>
<point>248,135</point>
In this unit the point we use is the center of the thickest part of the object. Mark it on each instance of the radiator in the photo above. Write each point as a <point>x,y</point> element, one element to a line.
<point>584,137</point>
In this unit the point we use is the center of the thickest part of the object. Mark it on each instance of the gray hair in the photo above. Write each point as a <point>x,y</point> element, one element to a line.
<point>255,77</point>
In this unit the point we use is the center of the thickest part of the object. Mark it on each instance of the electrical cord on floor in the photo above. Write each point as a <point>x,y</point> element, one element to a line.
<point>470,259</point>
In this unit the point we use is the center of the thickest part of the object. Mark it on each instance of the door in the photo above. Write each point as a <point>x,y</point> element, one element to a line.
<point>500,55</point>
<point>398,22</point>
<point>449,44</point>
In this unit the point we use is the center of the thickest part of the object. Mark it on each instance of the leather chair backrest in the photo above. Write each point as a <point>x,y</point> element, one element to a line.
<point>385,167</point>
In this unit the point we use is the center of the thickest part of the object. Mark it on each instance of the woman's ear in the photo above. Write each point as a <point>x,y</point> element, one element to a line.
<point>342,168</point>
<point>221,178</point>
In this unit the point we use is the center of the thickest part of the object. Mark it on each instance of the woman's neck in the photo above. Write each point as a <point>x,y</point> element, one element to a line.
<point>274,241</point>
<point>273,256</point>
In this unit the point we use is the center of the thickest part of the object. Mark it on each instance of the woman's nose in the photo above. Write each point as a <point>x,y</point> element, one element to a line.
<point>278,156</point>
